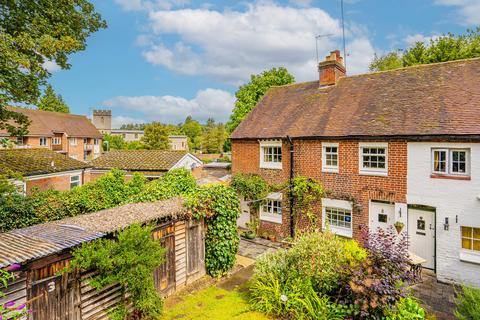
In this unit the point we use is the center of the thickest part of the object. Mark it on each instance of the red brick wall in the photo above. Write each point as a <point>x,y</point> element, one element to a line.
<point>347,183</point>
<point>60,182</point>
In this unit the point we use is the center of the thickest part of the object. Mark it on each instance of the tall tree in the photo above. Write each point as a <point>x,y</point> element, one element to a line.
<point>193,130</point>
<point>50,101</point>
<point>249,94</point>
<point>156,136</point>
<point>111,142</point>
<point>133,126</point>
<point>445,48</point>
<point>213,137</point>
<point>32,33</point>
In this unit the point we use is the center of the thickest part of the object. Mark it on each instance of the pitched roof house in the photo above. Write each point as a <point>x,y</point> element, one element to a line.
<point>43,169</point>
<point>70,134</point>
<point>152,163</point>
<point>400,146</point>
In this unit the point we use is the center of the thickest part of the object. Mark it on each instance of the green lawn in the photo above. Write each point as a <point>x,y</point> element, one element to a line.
<point>213,303</point>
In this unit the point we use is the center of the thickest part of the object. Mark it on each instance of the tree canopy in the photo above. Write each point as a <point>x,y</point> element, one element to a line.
<point>156,136</point>
<point>33,33</point>
<point>249,94</point>
<point>445,48</point>
<point>50,101</point>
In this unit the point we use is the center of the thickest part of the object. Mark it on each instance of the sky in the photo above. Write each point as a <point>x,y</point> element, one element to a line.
<point>162,60</point>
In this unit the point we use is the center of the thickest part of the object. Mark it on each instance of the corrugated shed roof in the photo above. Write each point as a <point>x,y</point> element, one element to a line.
<point>139,160</point>
<point>30,162</point>
<point>428,100</point>
<point>23,245</point>
<point>46,123</point>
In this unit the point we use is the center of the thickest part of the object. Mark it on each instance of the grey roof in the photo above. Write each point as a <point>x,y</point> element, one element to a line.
<point>23,245</point>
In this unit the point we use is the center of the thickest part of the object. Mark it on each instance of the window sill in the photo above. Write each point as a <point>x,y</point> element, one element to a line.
<point>374,173</point>
<point>266,218</point>
<point>471,257</point>
<point>347,233</point>
<point>449,177</point>
<point>271,166</point>
<point>330,170</point>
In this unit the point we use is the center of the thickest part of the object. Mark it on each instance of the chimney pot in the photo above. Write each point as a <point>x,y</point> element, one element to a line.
<point>331,69</point>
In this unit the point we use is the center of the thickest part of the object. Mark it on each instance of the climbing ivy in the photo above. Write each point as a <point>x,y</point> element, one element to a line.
<point>219,206</point>
<point>129,261</point>
<point>251,186</point>
<point>306,192</point>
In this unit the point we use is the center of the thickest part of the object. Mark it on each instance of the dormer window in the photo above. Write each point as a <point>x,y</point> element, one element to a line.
<point>271,154</point>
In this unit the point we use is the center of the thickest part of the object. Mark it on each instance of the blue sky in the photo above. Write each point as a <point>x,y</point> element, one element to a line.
<point>165,59</point>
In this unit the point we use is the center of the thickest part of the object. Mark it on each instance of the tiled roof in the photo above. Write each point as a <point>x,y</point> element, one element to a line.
<point>138,160</point>
<point>23,245</point>
<point>29,162</point>
<point>46,123</point>
<point>429,100</point>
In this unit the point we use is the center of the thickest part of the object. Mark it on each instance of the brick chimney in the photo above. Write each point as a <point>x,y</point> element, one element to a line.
<point>331,69</point>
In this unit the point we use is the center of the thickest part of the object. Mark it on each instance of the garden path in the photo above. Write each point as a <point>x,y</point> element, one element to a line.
<point>256,247</point>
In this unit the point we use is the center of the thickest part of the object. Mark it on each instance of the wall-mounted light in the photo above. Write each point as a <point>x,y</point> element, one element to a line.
<point>445,225</point>
<point>400,212</point>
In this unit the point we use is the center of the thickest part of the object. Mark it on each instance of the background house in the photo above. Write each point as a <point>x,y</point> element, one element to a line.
<point>152,163</point>
<point>43,169</point>
<point>389,147</point>
<point>70,134</point>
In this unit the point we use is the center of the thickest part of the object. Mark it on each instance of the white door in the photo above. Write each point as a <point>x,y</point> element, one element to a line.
<point>382,215</point>
<point>244,214</point>
<point>421,234</point>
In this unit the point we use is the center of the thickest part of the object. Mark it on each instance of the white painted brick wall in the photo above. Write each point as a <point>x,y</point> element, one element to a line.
<point>450,198</point>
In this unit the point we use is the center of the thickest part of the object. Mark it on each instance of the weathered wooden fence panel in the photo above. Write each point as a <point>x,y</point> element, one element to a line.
<point>53,296</point>
<point>195,250</point>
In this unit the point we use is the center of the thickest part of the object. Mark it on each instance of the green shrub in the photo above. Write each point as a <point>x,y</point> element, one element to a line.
<point>251,187</point>
<point>128,261</point>
<point>174,183</point>
<point>468,304</point>
<point>406,309</point>
<point>314,269</point>
<point>219,206</point>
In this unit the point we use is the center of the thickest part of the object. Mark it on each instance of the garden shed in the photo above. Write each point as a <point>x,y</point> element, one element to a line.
<point>44,250</point>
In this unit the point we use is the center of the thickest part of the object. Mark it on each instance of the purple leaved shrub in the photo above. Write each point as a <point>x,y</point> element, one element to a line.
<point>383,278</point>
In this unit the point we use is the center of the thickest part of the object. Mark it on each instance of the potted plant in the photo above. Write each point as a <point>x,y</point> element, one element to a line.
<point>399,226</point>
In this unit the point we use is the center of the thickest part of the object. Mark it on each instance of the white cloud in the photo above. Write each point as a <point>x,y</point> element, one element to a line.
<point>360,53</point>
<point>469,10</point>
<point>51,66</point>
<point>117,121</point>
<point>137,5</point>
<point>170,109</point>
<point>412,39</point>
<point>231,45</point>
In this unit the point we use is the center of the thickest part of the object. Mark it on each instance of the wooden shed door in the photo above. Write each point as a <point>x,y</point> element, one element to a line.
<point>195,248</point>
<point>165,274</point>
<point>53,297</point>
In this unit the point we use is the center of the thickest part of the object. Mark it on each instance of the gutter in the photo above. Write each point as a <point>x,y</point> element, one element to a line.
<point>292,220</point>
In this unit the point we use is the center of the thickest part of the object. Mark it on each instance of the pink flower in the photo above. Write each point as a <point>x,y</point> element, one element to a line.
<point>22,306</point>
<point>9,304</point>
<point>14,267</point>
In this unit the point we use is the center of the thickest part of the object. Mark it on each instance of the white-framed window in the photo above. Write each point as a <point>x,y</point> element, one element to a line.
<point>73,141</point>
<point>43,141</point>
<point>451,161</point>
<point>271,209</point>
<point>471,239</point>
<point>96,142</point>
<point>271,154</point>
<point>373,158</point>
<point>20,141</point>
<point>74,181</point>
<point>330,160</point>
<point>85,140</point>
<point>56,140</point>
<point>20,187</point>
<point>337,216</point>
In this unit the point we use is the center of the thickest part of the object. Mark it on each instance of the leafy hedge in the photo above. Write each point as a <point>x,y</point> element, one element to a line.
<point>219,206</point>
<point>108,191</point>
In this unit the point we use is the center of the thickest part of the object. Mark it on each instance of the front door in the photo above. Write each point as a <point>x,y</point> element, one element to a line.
<point>382,215</point>
<point>421,233</point>
<point>164,275</point>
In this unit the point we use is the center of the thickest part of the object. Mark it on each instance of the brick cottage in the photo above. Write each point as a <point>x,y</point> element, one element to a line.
<point>387,147</point>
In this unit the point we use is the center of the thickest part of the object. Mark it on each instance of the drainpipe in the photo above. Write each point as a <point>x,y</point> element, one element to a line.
<point>292,220</point>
